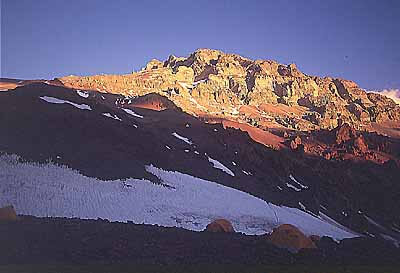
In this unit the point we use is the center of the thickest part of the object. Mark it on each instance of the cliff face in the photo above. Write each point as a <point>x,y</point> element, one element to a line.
<point>213,83</point>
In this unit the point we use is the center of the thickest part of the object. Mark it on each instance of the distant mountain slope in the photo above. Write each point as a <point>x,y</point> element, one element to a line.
<point>394,94</point>
<point>111,137</point>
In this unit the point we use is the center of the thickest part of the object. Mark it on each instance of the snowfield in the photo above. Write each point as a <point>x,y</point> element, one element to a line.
<point>60,101</point>
<point>189,202</point>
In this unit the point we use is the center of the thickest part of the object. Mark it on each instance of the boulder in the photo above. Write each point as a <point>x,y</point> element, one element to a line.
<point>220,225</point>
<point>297,140</point>
<point>290,237</point>
<point>296,143</point>
<point>8,214</point>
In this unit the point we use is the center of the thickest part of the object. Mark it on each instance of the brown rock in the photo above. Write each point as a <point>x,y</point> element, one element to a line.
<point>360,144</point>
<point>297,140</point>
<point>8,214</point>
<point>153,102</point>
<point>296,143</point>
<point>345,133</point>
<point>220,225</point>
<point>285,135</point>
<point>290,237</point>
<point>293,145</point>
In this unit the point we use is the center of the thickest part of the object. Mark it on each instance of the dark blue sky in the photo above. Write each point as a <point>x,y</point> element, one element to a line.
<point>357,40</point>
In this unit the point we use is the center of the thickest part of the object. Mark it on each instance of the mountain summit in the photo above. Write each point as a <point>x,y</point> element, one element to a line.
<point>211,83</point>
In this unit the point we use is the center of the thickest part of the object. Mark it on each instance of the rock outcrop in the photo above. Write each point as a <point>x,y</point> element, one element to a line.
<point>210,82</point>
<point>295,143</point>
<point>344,133</point>
<point>152,101</point>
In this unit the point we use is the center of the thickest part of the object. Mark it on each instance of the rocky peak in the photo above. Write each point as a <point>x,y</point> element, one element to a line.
<point>153,64</point>
<point>212,82</point>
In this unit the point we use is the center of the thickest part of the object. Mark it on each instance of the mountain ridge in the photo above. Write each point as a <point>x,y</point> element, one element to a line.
<point>213,83</point>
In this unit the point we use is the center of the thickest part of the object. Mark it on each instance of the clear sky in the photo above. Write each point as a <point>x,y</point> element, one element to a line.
<point>353,39</point>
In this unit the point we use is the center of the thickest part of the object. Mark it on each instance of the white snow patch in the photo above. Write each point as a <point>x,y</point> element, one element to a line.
<point>297,182</point>
<point>219,165</point>
<point>56,191</point>
<point>215,130</point>
<point>391,239</point>
<point>302,206</point>
<point>103,97</point>
<point>130,112</point>
<point>396,229</point>
<point>197,82</point>
<point>186,150</point>
<point>166,146</point>
<point>293,187</point>
<point>83,94</point>
<point>233,163</point>
<point>369,234</point>
<point>279,188</point>
<point>134,125</point>
<point>246,173</point>
<point>196,152</point>
<point>60,101</point>
<point>111,116</point>
<point>374,222</point>
<point>185,139</point>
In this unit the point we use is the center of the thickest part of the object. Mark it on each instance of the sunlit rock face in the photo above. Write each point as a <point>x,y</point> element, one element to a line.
<point>211,82</point>
<point>394,94</point>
